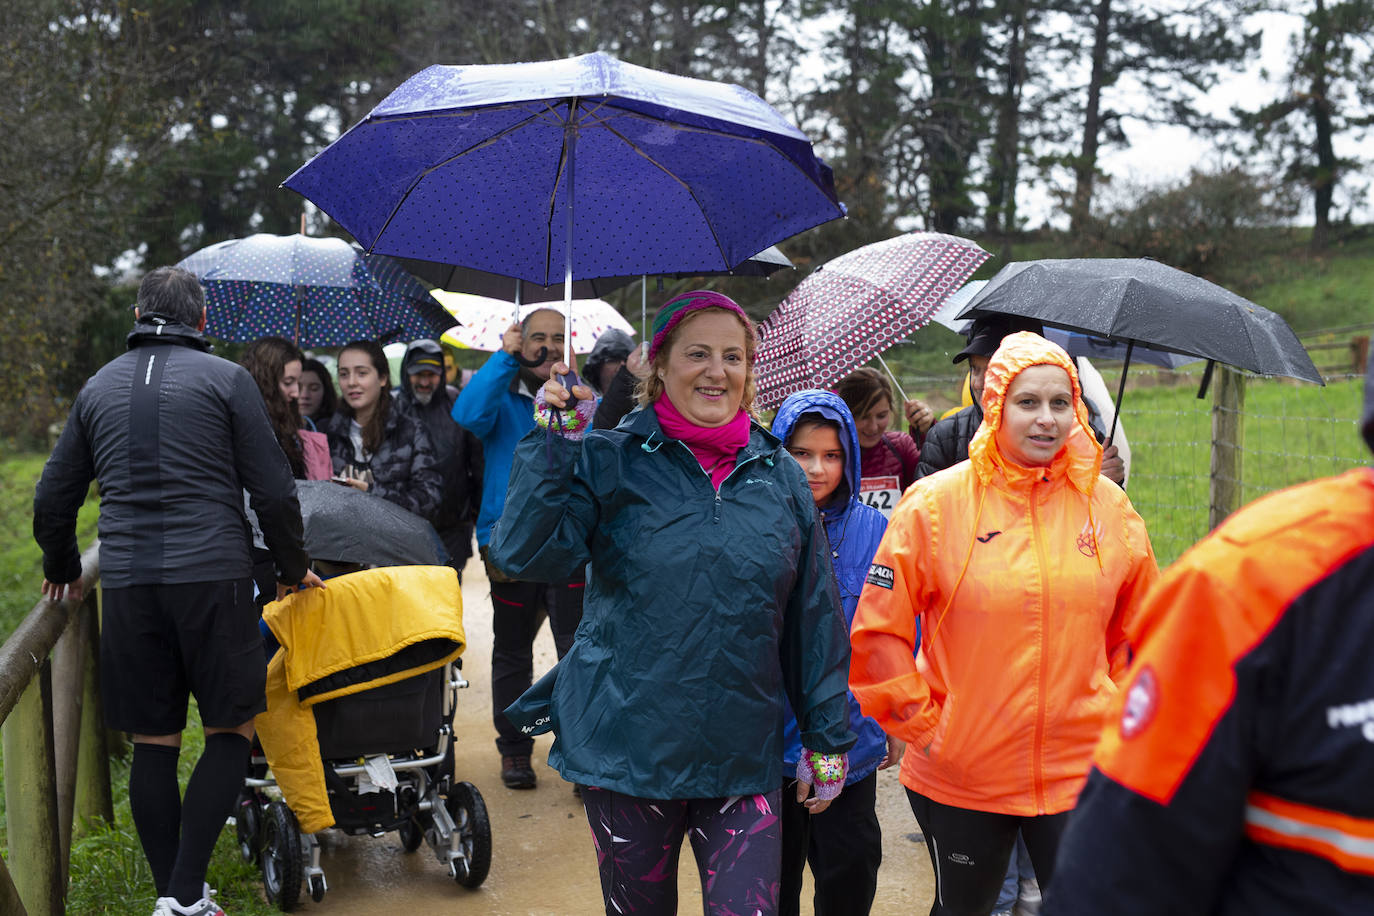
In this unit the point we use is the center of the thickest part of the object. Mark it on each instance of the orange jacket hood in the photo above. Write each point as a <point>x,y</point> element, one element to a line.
<point>1080,459</point>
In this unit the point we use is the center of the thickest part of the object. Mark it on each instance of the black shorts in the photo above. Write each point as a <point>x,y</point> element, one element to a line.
<point>161,643</point>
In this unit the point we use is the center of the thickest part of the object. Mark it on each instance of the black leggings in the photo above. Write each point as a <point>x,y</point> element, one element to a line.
<point>970,851</point>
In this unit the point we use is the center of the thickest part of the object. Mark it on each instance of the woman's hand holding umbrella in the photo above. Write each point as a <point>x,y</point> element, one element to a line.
<point>556,395</point>
<point>551,410</point>
<point>1113,465</point>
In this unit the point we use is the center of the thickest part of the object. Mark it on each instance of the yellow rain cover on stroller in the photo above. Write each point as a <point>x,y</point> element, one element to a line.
<point>337,641</point>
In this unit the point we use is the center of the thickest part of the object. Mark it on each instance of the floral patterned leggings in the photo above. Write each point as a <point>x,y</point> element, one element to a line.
<point>737,842</point>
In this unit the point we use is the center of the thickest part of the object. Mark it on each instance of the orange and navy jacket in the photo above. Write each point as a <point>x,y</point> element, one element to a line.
<point>1237,773</point>
<point>1023,581</point>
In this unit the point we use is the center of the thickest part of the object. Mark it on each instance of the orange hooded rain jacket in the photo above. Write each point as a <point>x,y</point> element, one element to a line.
<point>1024,581</point>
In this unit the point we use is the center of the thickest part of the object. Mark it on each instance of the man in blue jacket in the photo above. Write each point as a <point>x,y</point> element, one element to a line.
<point>497,406</point>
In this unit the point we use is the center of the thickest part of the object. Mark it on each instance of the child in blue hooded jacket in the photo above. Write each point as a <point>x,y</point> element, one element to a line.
<point>843,844</point>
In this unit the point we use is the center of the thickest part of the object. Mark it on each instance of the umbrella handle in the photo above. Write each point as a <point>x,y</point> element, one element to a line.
<point>538,359</point>
<point>567,381</point>
<point>1206,379</point>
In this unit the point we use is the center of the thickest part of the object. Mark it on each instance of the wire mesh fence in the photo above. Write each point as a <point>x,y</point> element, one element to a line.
<point>1288,432</point>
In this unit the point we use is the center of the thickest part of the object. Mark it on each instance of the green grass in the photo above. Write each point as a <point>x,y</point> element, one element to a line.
<point>21,562</point>
<point>1330,290</point>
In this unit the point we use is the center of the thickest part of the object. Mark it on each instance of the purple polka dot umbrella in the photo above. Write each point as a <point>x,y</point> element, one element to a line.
<point>319,292</point>
<point>556,171</point>
<point>855,307</point>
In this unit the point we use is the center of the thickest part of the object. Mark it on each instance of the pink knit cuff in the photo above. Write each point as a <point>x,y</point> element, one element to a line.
<point>826,772</point>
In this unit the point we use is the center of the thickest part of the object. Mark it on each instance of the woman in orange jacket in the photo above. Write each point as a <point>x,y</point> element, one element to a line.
<point>1023,572</point>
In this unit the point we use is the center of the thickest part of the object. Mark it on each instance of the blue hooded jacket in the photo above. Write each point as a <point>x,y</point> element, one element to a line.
<point>854,530</point>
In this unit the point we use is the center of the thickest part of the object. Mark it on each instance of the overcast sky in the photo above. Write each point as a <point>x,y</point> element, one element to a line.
<point>1157,154</point>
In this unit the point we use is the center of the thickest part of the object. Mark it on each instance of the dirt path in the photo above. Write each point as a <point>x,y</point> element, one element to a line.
<point>542,859</point>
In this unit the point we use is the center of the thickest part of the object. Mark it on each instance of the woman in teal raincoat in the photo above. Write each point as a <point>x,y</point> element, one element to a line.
<point>710,596</point>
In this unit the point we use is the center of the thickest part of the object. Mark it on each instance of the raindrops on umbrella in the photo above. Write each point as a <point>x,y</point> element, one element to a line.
<point>856,306</point>
<point>315,291</point>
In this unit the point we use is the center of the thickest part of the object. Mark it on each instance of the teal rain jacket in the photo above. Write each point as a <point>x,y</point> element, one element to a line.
<point>702,608</point>
<point>854,531</point>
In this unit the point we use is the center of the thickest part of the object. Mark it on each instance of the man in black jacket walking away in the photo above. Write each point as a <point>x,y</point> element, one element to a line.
<point>174,436</point>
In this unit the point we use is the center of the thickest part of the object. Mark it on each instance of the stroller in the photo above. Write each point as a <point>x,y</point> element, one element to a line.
<point>357,732</point>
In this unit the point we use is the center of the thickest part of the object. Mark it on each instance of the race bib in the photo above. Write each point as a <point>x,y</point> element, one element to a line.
<point>881,493</point>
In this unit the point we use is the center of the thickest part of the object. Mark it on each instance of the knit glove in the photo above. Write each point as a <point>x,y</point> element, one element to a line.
<point>570,423</point>
<point>824,771</point>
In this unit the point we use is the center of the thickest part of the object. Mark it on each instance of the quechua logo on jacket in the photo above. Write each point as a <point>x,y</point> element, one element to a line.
<point>880,576</point>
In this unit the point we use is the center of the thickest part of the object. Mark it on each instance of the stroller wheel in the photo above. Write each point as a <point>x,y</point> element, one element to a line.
<point>248,824</point>
<point>412,835</point>
<point>316,888</point>
<point>283,859</point>
<point>469,814</point>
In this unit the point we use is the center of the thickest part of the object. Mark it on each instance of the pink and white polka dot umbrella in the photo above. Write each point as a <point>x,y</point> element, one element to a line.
<point>856,306</point>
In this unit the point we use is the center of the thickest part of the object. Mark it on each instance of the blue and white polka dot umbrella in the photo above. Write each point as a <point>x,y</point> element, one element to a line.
<point>319,292</point>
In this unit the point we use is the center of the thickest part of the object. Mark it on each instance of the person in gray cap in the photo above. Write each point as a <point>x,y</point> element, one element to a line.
<point>458,453</point>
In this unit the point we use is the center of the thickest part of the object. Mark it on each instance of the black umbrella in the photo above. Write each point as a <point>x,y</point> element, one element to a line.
<point>345,525</point>
<point>1140,302</point>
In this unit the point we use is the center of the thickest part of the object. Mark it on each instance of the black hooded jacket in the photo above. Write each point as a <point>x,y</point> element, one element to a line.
<point>457,451</point>
<point>174,436</point>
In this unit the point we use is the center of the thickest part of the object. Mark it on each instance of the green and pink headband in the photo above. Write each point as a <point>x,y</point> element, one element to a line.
<point>679,307</point>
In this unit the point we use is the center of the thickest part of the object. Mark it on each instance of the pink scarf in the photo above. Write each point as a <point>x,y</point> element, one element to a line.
<point>714,446</point>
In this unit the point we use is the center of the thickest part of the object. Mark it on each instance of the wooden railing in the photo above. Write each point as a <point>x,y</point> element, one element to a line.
<point>57,771</point>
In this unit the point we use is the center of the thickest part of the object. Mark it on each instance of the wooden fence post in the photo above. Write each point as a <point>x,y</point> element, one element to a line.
<point>93,796</point>
<point>30,787</point>
<point>1228,440</point>
<point>68,662</point>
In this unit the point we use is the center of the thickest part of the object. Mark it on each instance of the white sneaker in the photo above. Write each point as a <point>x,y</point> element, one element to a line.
<point>168,906</point>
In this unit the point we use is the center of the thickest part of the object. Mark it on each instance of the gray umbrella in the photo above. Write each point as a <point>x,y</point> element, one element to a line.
<point>1140,302</point>
<point>345,525</point>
